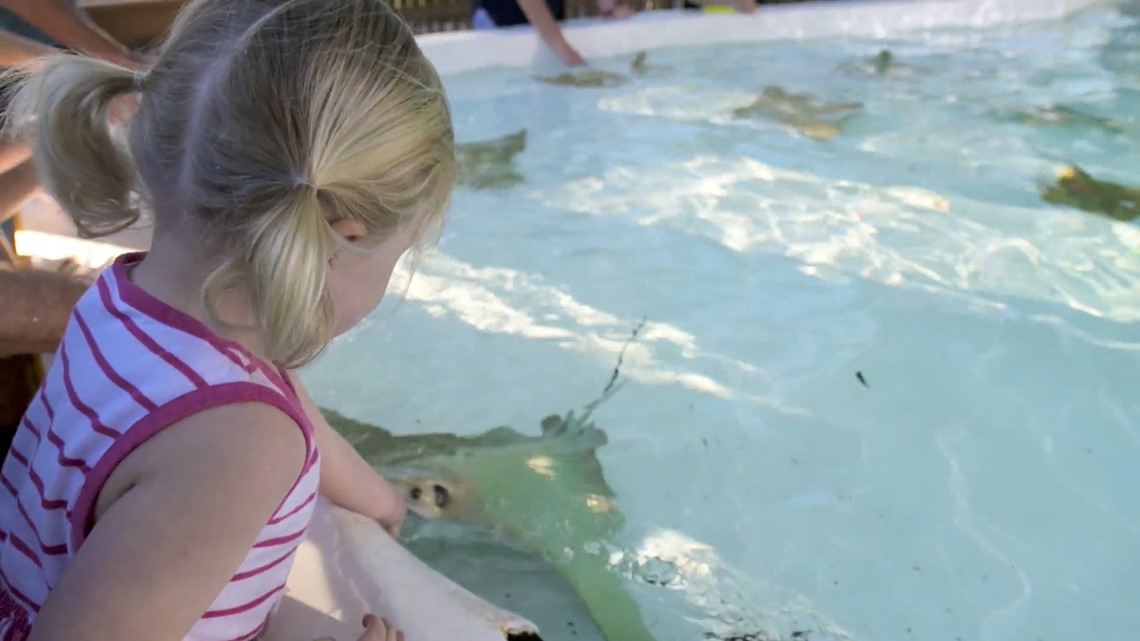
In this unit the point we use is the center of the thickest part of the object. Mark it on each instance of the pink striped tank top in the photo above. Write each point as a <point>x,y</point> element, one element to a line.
<point>128,366</point>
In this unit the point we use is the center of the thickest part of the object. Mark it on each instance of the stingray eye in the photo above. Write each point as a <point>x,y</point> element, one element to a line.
<point>442,496</point>
<point>416,493</point>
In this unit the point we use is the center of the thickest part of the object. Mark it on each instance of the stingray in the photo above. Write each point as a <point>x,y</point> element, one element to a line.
<point>592,77</point>
<point>881,65</point>
<point>1076,188</point>
<point>546,492</point>
<point>809,115</point>
<point>588,77</point>
<point>1064,116</point>
<point>640,66</point>
<point>489,164</point>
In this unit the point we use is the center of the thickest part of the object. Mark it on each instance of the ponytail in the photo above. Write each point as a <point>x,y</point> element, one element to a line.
<point>63,108</point>
<point>283,271</point>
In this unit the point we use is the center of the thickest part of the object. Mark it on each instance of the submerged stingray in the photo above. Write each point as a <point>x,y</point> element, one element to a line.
<point>883,64</point>
<point>1076,188</point>
<point>546,492</point>
<point>808,114</point>
<point>588,77</point>
<point>591,77</point>
<point>489,164</point>
<point>640,66</point>
<point>637,65</point>
<point>1064,116</point>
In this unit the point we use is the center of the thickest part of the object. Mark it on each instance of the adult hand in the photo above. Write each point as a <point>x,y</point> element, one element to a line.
<point>569,55</point>
<point>37,308</point>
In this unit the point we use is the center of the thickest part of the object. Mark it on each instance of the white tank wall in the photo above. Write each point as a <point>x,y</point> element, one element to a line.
<point>520,46</point>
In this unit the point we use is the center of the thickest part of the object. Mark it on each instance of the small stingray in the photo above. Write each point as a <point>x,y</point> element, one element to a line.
<point>588,77</point>
<point>638,63</point>
<point>640,66</point>
<point>546,492</point>
<point>882,65</point>
<point>488,164</point>
<point>1076,188</point>
<point>882,62</point>
<point>1064,116</point>
<point>808,114</point>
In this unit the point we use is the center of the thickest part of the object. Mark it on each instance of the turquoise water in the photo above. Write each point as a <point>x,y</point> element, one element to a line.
<point>980,486</point>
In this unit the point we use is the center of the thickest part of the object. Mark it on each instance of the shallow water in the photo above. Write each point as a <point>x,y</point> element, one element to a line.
<point>978,487</point>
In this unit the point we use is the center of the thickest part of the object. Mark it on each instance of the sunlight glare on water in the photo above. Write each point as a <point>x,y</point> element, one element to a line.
<point>979,487</point>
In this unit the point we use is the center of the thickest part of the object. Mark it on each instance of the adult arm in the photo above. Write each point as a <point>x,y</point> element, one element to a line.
<point>160,553</point>
<point>346,478</point>
<point>15,49</point>
<point>539,16</point>
<point>73,29</point>
<point>37,306</point>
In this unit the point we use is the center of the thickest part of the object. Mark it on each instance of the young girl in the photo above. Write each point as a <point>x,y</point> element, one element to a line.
<point>291,151</point>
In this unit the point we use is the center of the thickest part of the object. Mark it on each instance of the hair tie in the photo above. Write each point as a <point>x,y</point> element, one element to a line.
<point>138,78</point>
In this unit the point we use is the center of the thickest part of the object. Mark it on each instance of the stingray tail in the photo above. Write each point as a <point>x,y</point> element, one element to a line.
<point>584,420</point>
<point>613,610</point>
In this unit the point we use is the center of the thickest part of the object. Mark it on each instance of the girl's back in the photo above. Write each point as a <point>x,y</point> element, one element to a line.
<point>289,152</point>
<point>128,366</point>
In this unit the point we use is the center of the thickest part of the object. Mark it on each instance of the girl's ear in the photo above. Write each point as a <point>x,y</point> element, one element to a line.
<point>350,230</point>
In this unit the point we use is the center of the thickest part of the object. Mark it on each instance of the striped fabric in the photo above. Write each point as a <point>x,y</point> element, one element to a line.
<point>128,366</point>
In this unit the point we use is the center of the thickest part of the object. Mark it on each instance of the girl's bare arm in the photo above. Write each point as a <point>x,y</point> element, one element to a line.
<point>199,493</point>
<point>346,478</point>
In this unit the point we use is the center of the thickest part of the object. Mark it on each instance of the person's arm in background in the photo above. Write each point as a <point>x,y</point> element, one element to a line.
<point>611,9</point>
<point>69,26</point>
<point>15,50</point>
<point>539,16</point>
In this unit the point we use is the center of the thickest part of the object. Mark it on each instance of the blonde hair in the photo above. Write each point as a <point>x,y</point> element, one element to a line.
<point>264,120</point>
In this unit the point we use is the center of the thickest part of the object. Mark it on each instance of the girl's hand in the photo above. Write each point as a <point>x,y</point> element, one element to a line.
<point>375,629</point>
<point>378,629</point>
<point>396,510</point>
